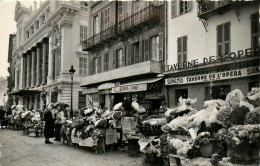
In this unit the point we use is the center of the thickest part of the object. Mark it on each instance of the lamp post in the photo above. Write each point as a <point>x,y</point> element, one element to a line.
<point>72,71</point>
<point>4,99</point>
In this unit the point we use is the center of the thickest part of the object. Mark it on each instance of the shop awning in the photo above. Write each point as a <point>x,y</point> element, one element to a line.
<point>106,86</point>
<point>24,92</point>
<point>135,86</point>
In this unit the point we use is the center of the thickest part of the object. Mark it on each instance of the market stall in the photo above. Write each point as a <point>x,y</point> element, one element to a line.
<point>223,133</point>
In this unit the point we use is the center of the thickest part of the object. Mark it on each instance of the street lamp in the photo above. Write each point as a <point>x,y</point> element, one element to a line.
<point>4,99</point>
<point>72,71</point>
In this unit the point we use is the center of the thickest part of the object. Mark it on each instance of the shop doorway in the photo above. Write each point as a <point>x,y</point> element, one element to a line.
<point>220,92</point>
<point>119,98</point>
<point>181,93</point>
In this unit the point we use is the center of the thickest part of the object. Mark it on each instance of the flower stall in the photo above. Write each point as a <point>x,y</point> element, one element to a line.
<point>33,124</point>
<point>222,133</point>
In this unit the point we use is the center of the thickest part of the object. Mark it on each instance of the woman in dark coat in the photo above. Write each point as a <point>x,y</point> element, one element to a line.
<point>49,125</point>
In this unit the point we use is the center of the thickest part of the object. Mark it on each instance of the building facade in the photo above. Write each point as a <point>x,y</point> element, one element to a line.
<point>126,52</point>
<point>48,42</point>
<point>213,49</point>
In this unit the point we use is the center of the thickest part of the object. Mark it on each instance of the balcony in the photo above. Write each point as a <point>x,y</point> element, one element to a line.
<point>207,9</point>
<point>147,16</point>
<point>127,71</point>
<point>99,39</point>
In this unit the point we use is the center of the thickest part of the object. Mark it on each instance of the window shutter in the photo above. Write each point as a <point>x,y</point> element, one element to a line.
<point>179,45</point>
<point>114,60</point>
<point>161,47</point>
<point>173,8</point>
<point>123,56</point>
<point>133,54</point>
<point>219,49</point>
<point>129,56</point>
<point>91,65</point>
<point>99,64</point>
<point>219,34</point>
<point>146,50</point>
<point>105,62</point>
<point>227,31</point>
<point>184,44</point>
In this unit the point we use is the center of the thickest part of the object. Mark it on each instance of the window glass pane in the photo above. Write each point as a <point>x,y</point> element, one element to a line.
<point>227,31</point>
<point>219,34</point>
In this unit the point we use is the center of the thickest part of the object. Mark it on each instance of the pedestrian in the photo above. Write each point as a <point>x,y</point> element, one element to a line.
<point>59,115</point>
<point>49,125</point>
<point>2,116</point>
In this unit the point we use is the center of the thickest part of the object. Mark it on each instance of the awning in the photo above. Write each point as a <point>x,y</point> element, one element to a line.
<point>135,86</point>
<point>106,86</point>
<point>24,92</point>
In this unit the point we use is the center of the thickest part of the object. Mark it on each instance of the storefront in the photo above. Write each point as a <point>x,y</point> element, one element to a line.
<point>213,81</point>
<point>147,91</point>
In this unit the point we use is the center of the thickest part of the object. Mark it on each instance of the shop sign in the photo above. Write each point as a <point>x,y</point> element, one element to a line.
<point>212,59</point>
<point>129,88</point>
<point>153,95</point>
<point>213,76</point>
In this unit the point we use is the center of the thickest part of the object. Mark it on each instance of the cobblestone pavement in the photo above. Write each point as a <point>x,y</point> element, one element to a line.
<point>17,149</point>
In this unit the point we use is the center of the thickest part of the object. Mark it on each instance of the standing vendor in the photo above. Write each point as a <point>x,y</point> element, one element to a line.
<point>58,115</point>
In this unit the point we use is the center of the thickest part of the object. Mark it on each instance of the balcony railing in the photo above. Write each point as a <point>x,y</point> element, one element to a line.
<point>135,21</point>
<point>99,39</point>
<point>209,8</point>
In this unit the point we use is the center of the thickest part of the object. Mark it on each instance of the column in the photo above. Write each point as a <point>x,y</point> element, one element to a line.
<point>28,81</point>
<point>56,65</point>
<point>44,74</point>
<point>15,80</point>
<point>33,68</point>
<point>24,71</point>
<point>51,59</point>
<point>38,75</point>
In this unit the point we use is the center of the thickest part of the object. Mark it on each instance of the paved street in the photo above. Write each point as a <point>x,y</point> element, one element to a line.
<point>18,149</point>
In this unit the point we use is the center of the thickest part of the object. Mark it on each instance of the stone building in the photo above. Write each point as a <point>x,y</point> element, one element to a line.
<point>48,42</point>
<point>126,47</point>
<point>213,49</point>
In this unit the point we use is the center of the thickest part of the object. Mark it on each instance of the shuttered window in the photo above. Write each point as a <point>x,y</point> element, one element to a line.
<point>95,25</point>
<point>106,18</point>
<point>155,48</point>
<point>135,58</point>
<point>182,49</point>
<point>118,58</point>
<point>174,8</point>
<point>82,66</point>
<point>97,65</point>
<point>146,50</point>
<point>185,7</point>
<point>223,39</point>
<point>83,33</point>
<point>106,62</point>
<point>254,30</point>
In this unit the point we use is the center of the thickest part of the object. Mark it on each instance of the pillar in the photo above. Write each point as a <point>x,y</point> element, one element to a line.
<point>22,73</point>
<point>50,64</point>
<point>56,63</point>
<point>33,69</point>
<point>44,54</point>
<point>38,75</point>
<point>28,81</point>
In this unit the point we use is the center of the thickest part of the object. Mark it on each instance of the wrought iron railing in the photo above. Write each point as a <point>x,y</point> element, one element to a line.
<point>98,38</point>
<point>205,6</point>
<point>139,17</point>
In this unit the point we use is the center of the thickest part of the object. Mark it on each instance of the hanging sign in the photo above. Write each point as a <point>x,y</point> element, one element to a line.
<point>213,76</point>
<point>129,88</point>
<point>154,95</point>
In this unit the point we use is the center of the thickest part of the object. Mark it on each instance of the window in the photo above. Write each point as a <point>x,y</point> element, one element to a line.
<point>180,7</point>
<point>254,30</point>
<point>107,18</point>
<point>155,48</point>
<point>95,25</point>
<point>106,62</point>
<point>181,93</point>
<point>146,50</point>
<point>182,49</point>
<point>82,66</point>
<point>82,100</point>
<point>120,10</point>
<point>118,59</point>
<point>223,39</point>
<point>83,34</point>
<point>97,63</point>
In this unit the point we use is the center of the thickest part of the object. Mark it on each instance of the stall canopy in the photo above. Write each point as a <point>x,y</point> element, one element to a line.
<point>135,86</point>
